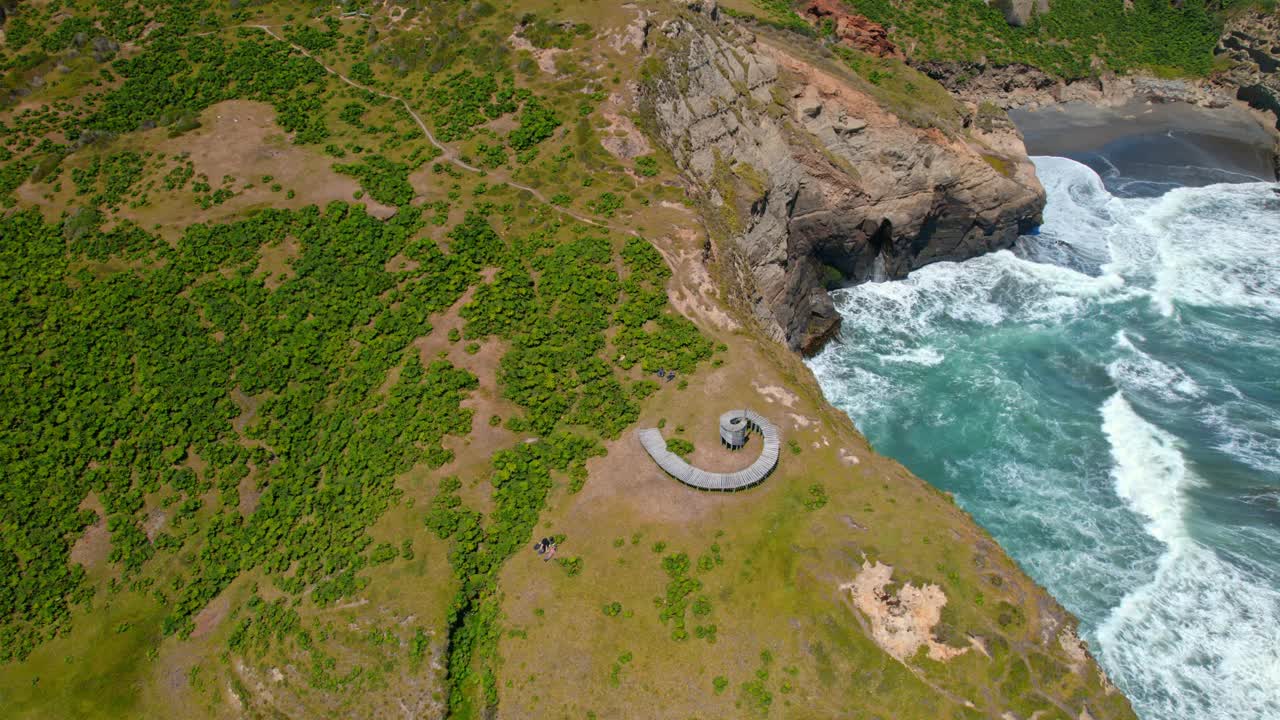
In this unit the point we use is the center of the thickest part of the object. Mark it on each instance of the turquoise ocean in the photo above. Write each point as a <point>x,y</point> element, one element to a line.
<point>1105,400</point>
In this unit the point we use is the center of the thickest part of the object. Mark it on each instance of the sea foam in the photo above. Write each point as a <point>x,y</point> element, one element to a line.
<point>1069,392</point>
<point>1203,636</point>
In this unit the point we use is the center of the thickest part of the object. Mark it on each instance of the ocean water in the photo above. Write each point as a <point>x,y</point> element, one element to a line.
<point>1105,399</point>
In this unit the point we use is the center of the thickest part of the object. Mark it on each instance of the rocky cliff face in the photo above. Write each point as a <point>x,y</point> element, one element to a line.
<point>851,29</point>
<point>1251,41</point>
<point>1023,86</point>
<point>814,182</point>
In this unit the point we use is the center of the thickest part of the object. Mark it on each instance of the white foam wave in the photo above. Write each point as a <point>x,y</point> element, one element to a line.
<point>1207,246</point>
<point>1150,473</point>
<point>1269,499</point>
<point>1256,443</point>
<point>1215,247</point>
<point>1188,629</point>
<point>1139,371</point>
<point>1203,636</point>
<point>856,390</point>
<point>1202,639</point>
<point>926,356</point>
<point>1080,200</point>
<point>989,291</point>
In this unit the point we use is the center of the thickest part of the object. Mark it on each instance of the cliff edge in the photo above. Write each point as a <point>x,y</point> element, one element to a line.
<point>817,176</point>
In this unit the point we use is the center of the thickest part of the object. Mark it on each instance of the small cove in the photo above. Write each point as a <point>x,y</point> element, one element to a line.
<point>1105,398</point>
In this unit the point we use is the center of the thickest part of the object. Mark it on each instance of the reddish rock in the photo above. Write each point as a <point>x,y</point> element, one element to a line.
<point>852,29</point>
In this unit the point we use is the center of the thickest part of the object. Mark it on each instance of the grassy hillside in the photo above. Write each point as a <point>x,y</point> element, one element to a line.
<point>1077,38</point>
<point>312,320</point>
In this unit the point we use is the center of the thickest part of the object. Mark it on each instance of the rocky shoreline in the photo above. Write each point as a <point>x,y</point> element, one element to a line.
<point>1249,83</point>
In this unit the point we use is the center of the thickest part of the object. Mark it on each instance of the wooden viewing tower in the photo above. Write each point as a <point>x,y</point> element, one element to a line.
<point>735,425</point>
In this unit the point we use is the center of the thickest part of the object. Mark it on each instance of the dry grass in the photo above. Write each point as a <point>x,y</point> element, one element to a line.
<point>238,138</point>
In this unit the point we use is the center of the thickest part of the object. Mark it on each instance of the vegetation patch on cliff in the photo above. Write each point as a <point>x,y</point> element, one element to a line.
<point>1075,39</point>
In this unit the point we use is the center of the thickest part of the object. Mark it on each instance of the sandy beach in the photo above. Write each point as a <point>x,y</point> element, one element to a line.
<point>1154,146</point>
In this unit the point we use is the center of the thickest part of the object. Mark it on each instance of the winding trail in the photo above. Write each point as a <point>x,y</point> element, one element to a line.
<point>447,153</point>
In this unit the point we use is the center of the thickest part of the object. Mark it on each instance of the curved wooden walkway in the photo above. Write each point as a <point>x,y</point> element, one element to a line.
<point>675,466</point>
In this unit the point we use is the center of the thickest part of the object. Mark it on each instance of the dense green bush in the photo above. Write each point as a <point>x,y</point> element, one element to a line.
<point>816,497</point>
<point>122,351</point>
<point>466,99</point>
<point>537,122</point>
<point>679,446</point>
<point>1153,34</point>
<point>313,38</point>
<point>544,33</point>
<point>646,166</point>
<point>138,369</point>
<point>385,181</point>
<point>671,608</point>
<point>177,73</point>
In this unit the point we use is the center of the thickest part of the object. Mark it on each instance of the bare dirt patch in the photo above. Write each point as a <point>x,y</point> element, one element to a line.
<point>627,481</point>
<point>486,400</point>
<point>212,614</point>
<point>776,393</point>
<point>91,549</point>
<point>710,455</point>
<point>156,521</point>
<point>545,57</point>
<point>622,138</point>
<point>241,139</point>
<point>801,421</point>
<point>276,262</point>
<point>1074,647</point>
<point>248,409</point>
<point>901,621</point>
<point>250,493</point>
<point>692,291</point>
<point>632,35</point>
<point>399,263</point>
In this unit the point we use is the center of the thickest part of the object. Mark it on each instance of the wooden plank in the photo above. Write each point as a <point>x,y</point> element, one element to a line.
<point>656,446</point>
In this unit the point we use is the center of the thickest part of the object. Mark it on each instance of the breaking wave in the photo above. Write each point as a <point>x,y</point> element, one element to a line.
<point>1102,398</point>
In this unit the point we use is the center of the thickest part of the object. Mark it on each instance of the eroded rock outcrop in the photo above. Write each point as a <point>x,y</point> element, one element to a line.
<point>1023,86</point>
<point>1251,41</point>
<point>813,182</point>
<point>902,620</point>
<point>852,29</point>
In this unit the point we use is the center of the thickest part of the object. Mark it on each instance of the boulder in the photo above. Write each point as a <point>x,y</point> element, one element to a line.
<point>852,29</point>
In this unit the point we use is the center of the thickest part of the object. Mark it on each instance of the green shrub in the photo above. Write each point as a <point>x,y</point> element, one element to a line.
<point>384,180</point>
<point>646,166</point>
<point>816,497</point>
<point>572,566</point>
<point>605,204</point>
<point>679,446</point>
